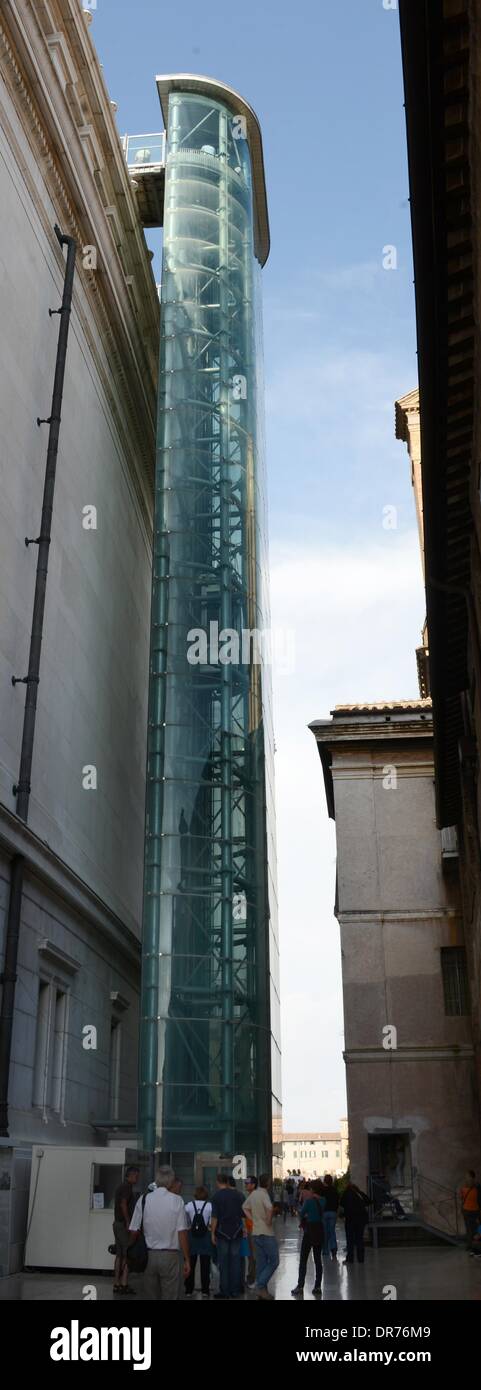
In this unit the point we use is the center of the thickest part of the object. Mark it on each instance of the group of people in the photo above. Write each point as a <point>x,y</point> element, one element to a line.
<point>230,1230</point>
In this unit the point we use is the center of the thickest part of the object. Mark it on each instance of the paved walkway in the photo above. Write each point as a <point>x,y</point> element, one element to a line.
<point>423,1273</point>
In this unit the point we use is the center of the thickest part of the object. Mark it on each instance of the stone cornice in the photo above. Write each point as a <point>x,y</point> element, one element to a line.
<point>369,730</point>
<point>43,864</point>
<point>407,414</point>
<point>56,85</point>
<point>367,916</point>
<point>364,728</point>
<point>449,1052</point>
<point>375,772</point>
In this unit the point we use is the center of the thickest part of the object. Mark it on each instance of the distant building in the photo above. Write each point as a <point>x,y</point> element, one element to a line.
<point>316,1154</point>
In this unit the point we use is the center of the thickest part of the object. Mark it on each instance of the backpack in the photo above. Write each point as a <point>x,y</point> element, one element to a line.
<point>137,1253</point>
<point>198,1227</point>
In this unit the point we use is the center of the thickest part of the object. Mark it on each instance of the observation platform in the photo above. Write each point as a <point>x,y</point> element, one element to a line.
<point>145,157</point>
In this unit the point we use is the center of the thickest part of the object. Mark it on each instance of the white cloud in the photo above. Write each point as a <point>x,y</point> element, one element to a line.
<point>356,610</point>
<point>349,278</point>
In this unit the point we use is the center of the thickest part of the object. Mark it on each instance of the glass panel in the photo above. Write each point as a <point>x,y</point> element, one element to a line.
<point>40,1077</point>
<point>106,1177</point>
<point>58,1050</point>
<point>455,980</point>
<point>145,150</point>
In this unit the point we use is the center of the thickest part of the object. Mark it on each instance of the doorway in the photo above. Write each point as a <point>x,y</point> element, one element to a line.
<point>390,1156</point>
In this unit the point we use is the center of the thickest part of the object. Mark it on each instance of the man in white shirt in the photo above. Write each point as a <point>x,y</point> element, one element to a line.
<point>165,1228</point>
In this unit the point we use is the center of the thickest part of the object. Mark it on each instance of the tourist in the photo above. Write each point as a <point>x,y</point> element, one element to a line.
<point>331,1198</point>
<point>277,1193</point>
<point>259,1208</point>
<point>302,1191</point>
<point>199,1213</point>
<point>312,1226</point>
<point>176,1188</point>
<point>383,1196</point>
<point>226,1234</point>
<point>124,1203</point>
<point>470,1198</point>
<point>165,1227</point>
<point>476,1244</point>
<point>290,1190</point>
<point>355,1206</point>
<point>251,1184</point>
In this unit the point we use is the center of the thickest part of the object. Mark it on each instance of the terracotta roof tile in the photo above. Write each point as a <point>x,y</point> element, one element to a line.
<point>390,705</point>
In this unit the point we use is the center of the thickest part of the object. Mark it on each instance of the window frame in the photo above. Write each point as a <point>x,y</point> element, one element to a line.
<point>455,982</point>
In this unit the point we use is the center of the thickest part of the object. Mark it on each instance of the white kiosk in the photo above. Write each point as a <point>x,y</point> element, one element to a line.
<point>71,1205</point>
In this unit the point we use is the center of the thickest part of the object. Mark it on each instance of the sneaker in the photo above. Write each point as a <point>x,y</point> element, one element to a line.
<point>264,1294</point>
<point>298,1292</point>
<point>206,1295</point>
<point>251,1286</point>
<point>317,1290</point>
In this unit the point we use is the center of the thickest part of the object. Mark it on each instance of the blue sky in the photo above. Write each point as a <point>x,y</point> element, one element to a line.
<point>325,80</point>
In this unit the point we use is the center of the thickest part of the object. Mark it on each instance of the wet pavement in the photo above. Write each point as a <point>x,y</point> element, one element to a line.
<point>417,1273</point>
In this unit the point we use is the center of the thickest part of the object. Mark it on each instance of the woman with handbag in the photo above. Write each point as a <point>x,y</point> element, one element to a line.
<point>312,1226</point>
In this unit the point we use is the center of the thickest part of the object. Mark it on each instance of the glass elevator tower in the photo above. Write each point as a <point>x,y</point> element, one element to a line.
<point>210,1060</point>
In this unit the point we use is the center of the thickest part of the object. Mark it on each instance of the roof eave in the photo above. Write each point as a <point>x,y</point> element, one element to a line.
<point>442,230</point>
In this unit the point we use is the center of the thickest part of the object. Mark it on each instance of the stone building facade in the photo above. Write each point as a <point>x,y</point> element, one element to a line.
<point>61,161</point>
<point>408,1037</point>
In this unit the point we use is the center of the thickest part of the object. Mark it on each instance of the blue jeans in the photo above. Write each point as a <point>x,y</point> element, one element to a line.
<point>330,1243</point>
<point>267,1259</point>
<point>229,1260</point>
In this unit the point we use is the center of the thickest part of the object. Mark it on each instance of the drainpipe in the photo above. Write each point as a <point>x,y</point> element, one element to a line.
<point>31,680</point>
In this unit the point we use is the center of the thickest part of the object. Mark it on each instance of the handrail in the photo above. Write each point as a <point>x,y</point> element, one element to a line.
<point>434,1183</point>
<point>435,1202</point>
<point>450,1217</point>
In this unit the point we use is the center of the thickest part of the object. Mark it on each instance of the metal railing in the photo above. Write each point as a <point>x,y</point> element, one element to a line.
<point>144,151</point>
<point>381,1198</point>
<point>432,1202</point>
<point>438,1205</point>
